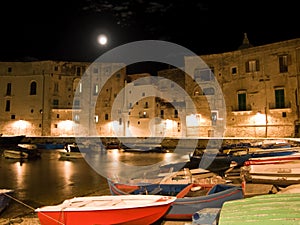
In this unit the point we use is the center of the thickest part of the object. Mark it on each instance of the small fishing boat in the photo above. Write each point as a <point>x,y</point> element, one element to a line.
<point>4,198</point>
<point>121,209</point>
<point>22,152</point>
<point>71,151</point>
<point>10,141</point>
<point>277,173</point>
<point>221,161</point>
<point>190,197</point>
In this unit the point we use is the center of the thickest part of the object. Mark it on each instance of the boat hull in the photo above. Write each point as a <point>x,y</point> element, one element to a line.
<point>186,204</point>
<point>282,174</point>
<point>4,199</point>
<point>13,154</point>
<point>184,208</point>
<point>72,155</point>
<point>106,210</point>
<point>9,141</point>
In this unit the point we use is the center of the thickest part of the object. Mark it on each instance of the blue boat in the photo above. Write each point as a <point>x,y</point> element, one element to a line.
<point>190,197</point>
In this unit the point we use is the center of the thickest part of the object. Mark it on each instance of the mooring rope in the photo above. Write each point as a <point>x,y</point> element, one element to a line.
<point>30,207</point>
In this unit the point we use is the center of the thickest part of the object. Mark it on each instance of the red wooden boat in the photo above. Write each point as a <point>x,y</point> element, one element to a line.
<point>119,209</point>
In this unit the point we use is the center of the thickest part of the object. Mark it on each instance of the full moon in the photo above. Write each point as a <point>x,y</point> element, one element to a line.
<point>102,39</point>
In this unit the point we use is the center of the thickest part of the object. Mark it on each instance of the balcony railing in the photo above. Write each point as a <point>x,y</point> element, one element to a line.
<point>241,109</point>
<point>285,105</point>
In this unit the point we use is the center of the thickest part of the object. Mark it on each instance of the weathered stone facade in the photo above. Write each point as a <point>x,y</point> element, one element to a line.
<point>250,92</point>
<point>260,86</point>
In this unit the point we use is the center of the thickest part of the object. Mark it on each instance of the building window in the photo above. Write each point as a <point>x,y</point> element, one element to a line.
<point>96,89</point>
<point>33,88</point>
<point>77,103</point>
<point>214,117</point>
<point>162,114</point>
<point>106,116</point>
<point>57,116</point>
<point>8,89</point>
<point>283,63</point>
<point>279,99</point>
<point>55,68</point>
<point>56,87</point>
<point>55,102</point>
<point>78,71</point>
<point>176,113</point>
<point>146,105</point>
<point>95,70</point>
<point>242,101</point>
<point>204,74</point>
<point>120,121</point>
<point>96,118</point>
<point>13,117</point>
<point>209,91</point>
<point>7,106</point>
<point>76,118</point>
<point>284,114</point>
<point>9,69</point>
<point>233,70</point>
<point>252,66</point>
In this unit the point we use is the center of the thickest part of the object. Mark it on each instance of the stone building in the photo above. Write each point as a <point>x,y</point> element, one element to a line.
<point>260,88</point>
<point>43,98</point>
<point>250,92</point>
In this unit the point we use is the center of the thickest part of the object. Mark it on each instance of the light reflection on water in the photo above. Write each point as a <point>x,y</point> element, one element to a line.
<point>50,180</point>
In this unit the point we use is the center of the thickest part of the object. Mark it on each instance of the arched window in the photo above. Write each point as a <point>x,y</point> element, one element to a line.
<point>33,88</point>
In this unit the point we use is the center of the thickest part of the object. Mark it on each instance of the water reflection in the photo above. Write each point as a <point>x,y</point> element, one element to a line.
<point>49,180</point>
<point>128,165</point>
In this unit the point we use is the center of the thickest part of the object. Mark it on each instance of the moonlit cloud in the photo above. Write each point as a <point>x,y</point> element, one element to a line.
<point>127,13</point>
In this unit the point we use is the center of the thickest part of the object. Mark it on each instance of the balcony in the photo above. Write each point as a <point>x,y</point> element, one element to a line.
<point>241,109</point>
<point>285,105</point>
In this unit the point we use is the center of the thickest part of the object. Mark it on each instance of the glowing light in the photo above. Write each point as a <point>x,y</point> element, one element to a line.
<point>193,120</point>
<point>102,39</point>
<point>66,125</point>
<point>260,118</point>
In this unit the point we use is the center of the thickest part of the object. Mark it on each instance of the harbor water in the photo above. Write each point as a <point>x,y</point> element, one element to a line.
<point>50,180</point>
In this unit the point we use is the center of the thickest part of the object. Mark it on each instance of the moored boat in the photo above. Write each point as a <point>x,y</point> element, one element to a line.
<point>5,198</point>
<point>71,151</point>
<point>282,173</point>
<point>220,162</point>
<point>185,206</point>
<point>71,155</point>
<point>20,152</point>
<point>10,141</point>
<point>190,197</point>
<point>121,209</point>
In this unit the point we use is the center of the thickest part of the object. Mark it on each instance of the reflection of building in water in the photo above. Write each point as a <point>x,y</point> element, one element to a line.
<point>249,92</point>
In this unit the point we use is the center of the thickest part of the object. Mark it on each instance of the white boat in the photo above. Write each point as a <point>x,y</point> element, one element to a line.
<point>71,155</point>
<point>107,209</point>
<point>15,154</point>
<point>28,146</point>
<point>71,151</point>
<point>279,173</point>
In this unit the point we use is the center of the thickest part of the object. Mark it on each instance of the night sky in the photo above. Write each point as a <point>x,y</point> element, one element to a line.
<point>68,30</point>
